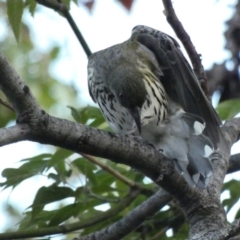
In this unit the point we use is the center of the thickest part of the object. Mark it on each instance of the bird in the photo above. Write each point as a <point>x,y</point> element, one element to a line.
<point>146,87</point>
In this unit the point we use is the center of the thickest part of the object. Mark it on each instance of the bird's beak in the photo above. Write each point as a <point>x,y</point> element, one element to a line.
<point>136,113</point>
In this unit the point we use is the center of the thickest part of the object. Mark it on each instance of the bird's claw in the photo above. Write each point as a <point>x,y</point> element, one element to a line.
<point>139,139</point>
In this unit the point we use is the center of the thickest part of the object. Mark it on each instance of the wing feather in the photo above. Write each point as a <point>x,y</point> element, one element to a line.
<point>178,78</point>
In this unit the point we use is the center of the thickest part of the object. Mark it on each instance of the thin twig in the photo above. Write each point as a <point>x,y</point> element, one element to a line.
<point>7,105</point>
<point>118,175</point>
<point>133,219</point>
<point>159,234</point>
<point>187,43</point>
<point>62,8</point>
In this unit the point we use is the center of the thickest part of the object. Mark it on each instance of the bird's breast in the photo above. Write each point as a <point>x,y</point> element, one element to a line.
<point>117,116</point>
<point>154,110</point>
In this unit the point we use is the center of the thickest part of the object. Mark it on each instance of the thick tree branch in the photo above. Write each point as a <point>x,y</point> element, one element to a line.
<point>234,230</point>
<point>231,131</point>
<point>62,8</point>
<point>234,163</point>
<point>187,43</point>
<point>19,96</point>
<point>14,134</point>
<point>130,222</point>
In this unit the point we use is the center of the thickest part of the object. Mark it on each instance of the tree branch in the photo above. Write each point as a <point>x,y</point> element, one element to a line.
<point>234,230</point>
<point>19,96</point>
<point>231,131</point>
<point>234,163</point>
<point>187,43</point>
<point>62,8</point>
<point>130,222</point>
<point>14,134</point>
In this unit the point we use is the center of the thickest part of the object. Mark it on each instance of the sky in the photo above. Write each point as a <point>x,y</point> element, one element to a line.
<point>108,24</point>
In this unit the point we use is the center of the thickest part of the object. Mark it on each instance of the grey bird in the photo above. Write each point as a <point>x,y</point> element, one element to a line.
<point>145,86</point>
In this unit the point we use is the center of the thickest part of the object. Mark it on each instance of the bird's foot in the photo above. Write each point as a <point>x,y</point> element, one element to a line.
<point>139,139</point>
<point>160,178</point>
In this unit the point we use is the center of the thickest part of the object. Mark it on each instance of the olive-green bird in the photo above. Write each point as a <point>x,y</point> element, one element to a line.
<point>146,87</point>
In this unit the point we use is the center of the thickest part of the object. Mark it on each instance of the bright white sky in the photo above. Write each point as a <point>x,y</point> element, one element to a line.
<point>109,24</point>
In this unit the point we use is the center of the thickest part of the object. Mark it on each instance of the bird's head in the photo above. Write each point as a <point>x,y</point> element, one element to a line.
<point>126,83</point>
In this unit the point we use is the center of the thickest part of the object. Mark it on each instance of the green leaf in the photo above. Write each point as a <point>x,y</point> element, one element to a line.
<point>33,166</point>
<point>237,216</point>
<point>58,163</point>
<point>40,221</point>
<point>87,168</point>
<point>233,187</point>
<point>63,214</point>
<point>66,3</point>
<point>228,109</point>
<point>26,221</point>
<point>15,12</point>
<point>14,177</point>
<point>83,115</point>
<point>60,155</point>
<point>32,4</point>
<point>103,184</point>
<point>49,194</point>
<point>54,52</point>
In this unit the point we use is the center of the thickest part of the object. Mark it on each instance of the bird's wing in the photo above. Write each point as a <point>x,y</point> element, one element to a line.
<point>91,80</point>
<point>178,78</point>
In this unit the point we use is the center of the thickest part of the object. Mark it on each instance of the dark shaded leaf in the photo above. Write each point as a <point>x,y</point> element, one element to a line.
<point>87,168</point>
<point>41,220</point>
<point>57,161</point>
<point>237,216</point>
<point>49,194</point>
<point>65,213</point>
<point>84,114</point>
<point>33,166</point>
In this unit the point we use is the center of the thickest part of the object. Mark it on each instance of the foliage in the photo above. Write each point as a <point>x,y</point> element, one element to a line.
<point>33,66</point>
<point>228,109</point>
